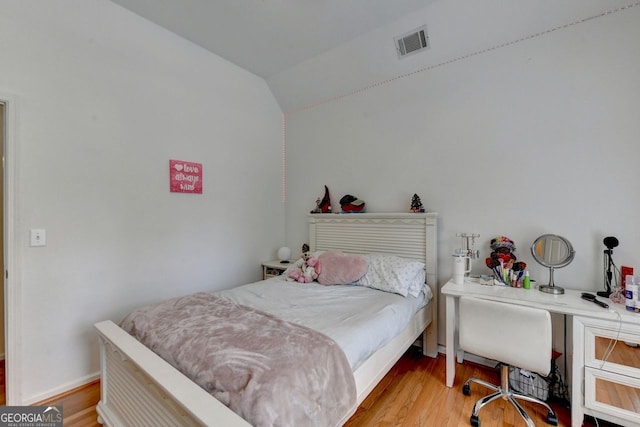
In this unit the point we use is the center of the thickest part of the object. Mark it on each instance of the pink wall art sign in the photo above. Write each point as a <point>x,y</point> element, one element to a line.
<point>185,177</point>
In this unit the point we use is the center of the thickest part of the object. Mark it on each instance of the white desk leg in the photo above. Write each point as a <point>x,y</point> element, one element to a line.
<point>451,341</point>
<point>577,374</point>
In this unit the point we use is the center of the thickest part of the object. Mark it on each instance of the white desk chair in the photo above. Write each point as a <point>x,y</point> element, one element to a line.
<point>511,334</point>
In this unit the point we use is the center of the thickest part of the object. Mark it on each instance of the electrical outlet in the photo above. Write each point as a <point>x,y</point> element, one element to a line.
<point>38,237</point>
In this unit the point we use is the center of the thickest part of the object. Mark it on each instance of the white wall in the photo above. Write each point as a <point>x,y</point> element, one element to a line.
<point>105,99</point>
<point>456,28</point>
<point>534,137</point>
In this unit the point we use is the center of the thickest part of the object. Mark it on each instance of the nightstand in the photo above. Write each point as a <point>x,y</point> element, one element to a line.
<point>273,268</point>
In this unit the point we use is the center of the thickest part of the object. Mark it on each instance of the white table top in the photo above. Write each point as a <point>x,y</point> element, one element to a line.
<point>568,303</point>
<point>276,263</point>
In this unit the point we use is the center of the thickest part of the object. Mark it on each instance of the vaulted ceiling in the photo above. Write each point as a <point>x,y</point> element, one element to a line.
<point>267,37</point>
<point>310,51</point>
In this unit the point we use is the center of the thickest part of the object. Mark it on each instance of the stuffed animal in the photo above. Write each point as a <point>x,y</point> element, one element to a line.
<point>306,268</point>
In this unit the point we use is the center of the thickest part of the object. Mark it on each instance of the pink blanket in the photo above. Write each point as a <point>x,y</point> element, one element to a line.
<point>269,371</point>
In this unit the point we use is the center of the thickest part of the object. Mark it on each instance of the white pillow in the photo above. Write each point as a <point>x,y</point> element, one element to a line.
<point>391,273</point>
<point>418,284</point>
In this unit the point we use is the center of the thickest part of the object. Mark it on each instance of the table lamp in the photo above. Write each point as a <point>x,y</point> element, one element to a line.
<point>284,253</point>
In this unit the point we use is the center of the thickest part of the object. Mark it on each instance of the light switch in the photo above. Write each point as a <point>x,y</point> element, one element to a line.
<point>38,237</point>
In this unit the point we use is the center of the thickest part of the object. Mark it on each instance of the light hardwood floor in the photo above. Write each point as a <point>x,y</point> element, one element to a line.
<point>413,393</point>
<point>78,405</point>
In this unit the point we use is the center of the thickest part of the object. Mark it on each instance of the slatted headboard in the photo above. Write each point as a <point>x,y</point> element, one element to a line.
<point>408,235</point>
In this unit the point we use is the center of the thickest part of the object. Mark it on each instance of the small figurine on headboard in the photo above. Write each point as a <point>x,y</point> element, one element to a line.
<point>323,205</point>
<point>416,204</point>
<point>351,204</point>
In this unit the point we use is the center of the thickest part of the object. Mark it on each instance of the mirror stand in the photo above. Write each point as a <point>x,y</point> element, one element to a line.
<point>552,251</point>
<point>551,288</point>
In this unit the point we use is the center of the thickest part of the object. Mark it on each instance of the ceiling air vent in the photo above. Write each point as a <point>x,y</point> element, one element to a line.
<point>412,42</point>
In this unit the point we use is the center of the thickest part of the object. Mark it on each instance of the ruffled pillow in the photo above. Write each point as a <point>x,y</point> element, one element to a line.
<point>340,269</point>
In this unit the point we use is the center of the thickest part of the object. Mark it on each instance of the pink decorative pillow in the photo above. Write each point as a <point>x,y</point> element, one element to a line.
<point>341,269</point>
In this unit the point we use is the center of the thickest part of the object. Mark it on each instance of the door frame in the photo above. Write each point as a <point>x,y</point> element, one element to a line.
<point>11,251</point>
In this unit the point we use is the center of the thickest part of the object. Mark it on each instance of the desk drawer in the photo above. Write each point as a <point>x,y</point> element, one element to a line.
<point>610,344</point>
<point>612,393</point>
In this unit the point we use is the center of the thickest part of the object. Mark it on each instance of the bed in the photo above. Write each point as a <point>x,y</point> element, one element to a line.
<point>139,388</point>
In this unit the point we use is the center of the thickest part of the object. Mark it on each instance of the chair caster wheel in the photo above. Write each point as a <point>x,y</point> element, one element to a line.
<point>466,390</point>
<point>552,419</point>
<point>475,421</point>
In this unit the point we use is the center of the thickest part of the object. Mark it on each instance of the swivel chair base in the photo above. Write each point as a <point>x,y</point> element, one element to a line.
<point>506,393</point>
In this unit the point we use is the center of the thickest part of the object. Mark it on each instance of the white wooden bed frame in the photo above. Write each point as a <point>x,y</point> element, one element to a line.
<point>138,388</point>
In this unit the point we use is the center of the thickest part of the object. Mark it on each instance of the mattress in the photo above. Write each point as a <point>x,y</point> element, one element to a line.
<point>359,319</point>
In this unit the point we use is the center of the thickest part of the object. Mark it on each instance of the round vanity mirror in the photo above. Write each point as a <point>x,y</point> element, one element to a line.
<point>552,251</point>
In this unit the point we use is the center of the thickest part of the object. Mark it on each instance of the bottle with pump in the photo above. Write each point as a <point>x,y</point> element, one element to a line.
<point>526,283</point>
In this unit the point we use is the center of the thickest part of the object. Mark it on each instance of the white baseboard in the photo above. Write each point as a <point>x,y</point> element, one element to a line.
<point>472,358</point>
<point>61,389</point>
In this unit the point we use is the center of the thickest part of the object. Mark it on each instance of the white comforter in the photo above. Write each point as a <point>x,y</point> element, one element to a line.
<point>359,319</point>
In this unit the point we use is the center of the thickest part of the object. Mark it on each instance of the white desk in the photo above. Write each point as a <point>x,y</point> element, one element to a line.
<point>569,303</point>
